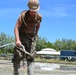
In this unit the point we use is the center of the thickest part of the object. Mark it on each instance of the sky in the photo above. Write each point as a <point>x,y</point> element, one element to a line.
<point>58,18</point>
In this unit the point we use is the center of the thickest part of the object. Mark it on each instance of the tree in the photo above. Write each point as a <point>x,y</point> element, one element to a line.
<point>57,45</point>
<point>5,39</point>
<point>65,44</point>
<point>48,45</point>
<point>40,44</point>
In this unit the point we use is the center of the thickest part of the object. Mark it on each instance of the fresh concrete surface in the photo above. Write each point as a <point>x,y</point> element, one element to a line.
<point>6,68</point>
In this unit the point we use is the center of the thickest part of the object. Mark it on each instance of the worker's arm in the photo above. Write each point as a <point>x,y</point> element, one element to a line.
<point>38,24</point>
<point>16,33</point>
<point>37,28</point>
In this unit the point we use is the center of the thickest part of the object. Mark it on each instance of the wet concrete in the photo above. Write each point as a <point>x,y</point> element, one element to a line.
<point>6,68</point>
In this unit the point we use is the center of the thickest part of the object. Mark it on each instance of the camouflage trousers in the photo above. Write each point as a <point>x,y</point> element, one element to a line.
<point>29,45</point>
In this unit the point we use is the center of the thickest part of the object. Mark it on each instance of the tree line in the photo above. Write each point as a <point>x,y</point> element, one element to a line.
<point>63,44</point>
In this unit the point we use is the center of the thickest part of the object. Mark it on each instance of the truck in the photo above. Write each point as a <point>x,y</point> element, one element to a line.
<point>69,55</point>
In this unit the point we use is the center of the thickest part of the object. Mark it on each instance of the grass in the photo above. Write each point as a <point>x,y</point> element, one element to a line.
<point>54,61</point>
<point>43,60</point>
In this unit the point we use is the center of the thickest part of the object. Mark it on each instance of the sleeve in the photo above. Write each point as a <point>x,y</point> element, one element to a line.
<point>38,24</point>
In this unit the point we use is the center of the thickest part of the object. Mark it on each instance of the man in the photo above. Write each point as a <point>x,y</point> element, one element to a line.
<point>26,31</point>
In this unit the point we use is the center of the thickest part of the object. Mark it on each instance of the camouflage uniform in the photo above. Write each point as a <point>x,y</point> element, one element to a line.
<point>29,45</point>
<point>29,42</point>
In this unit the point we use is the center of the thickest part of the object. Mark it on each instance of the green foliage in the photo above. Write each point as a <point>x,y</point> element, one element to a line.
<point>66,44</point>
<point>42,43</point>
<point>48,45</point>
<point>5,39</point>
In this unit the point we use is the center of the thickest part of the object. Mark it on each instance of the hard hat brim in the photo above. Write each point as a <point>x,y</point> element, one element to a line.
<point>31,9</point>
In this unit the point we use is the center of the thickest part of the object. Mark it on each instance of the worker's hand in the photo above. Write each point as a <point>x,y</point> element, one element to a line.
<point>18,43</point>
<point>36,37</point>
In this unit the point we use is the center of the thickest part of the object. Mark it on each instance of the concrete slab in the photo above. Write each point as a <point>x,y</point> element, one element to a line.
<point>6,68</point>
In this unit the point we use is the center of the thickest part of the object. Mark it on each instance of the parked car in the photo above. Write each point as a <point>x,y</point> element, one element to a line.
<point>48,56</point>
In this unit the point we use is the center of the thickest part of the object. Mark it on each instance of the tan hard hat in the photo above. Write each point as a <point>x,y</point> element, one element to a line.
<point>33,5</point>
